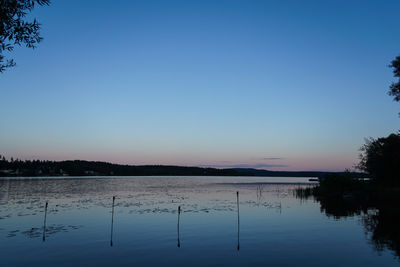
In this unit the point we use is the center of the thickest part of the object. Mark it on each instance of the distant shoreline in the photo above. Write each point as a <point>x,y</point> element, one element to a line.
<point>146,176</point>
<point>81,168</point>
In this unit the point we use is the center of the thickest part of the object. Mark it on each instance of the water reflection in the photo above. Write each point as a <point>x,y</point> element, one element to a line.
<point>24,197</point>
<point>383,227</point>
<point>36,232</point>
<point>214,221</point>
<point>379,214</point>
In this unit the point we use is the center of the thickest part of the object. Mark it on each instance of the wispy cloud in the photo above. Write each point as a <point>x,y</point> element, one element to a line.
<point>245,165</point>
<point>267,158</point>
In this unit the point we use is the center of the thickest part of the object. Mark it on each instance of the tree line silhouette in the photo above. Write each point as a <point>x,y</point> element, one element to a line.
<point>381,157</point>
<point>17,167</point>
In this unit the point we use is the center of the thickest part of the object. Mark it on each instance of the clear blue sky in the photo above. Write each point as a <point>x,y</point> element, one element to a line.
<point>282,85</point>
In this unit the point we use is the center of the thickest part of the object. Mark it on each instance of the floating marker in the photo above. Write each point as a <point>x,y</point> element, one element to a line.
<point>112,222</point>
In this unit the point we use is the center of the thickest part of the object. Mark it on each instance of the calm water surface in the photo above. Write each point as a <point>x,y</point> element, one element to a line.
<point>82,227</point>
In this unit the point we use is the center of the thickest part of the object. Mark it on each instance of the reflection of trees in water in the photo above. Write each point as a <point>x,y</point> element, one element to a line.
<point>383,227</point>
<point>339,208</point>
<point>379,215</point>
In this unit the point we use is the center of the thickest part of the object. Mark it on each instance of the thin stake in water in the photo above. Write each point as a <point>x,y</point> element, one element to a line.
<point>112,222</point>
<point>238,221</point>
<point>44,222</point>
<point>179,215</point>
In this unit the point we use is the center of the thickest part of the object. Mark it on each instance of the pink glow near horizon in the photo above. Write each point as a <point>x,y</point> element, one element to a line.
<point>333,163</point>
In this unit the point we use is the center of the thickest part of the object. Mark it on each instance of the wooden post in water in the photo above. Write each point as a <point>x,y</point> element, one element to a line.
<point>179,215</point>
<point>44,222</point>
<point>112,222</point>
<point>238,224</point>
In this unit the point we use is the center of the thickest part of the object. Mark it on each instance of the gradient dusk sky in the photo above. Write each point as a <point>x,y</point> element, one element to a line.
<point>280,85</point>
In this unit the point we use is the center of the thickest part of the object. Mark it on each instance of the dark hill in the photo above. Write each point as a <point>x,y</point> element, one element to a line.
<point>90,168</point>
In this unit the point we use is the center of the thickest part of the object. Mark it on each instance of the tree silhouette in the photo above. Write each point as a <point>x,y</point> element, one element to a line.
<point>395,87</point>
<point>15,30</point>
<point>381,159</point>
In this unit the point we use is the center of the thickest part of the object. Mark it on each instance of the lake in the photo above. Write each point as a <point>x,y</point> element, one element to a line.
<point>264,224</point>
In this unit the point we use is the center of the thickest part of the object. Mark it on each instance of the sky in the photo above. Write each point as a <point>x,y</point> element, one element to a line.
<point>279,85</point>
